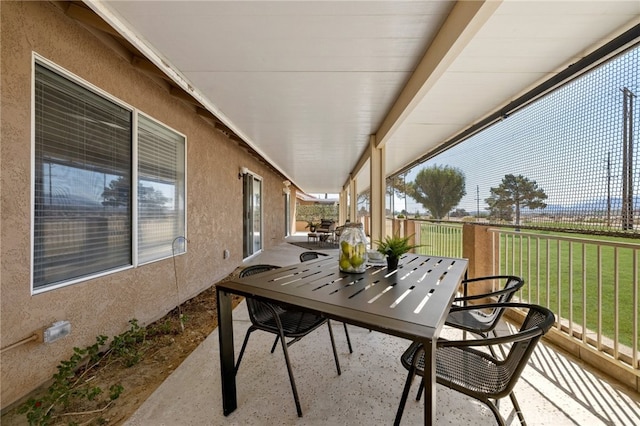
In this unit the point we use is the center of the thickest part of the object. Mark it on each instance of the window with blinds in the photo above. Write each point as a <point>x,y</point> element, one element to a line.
<point>161,189</point>
<point>82,189</point>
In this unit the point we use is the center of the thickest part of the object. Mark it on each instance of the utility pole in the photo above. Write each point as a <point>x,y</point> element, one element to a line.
<point>608,189</point>
<point>627,159</point>
<point>478,201</point>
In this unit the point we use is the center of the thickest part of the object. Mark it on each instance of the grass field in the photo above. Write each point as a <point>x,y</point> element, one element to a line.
<point>581,278</point>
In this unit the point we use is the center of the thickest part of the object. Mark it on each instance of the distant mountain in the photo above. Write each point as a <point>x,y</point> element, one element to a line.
<point>584,207</point>
<point>66,200</point>
<point>598,204</point>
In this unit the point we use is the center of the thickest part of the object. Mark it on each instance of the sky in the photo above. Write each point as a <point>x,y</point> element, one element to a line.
<point>570,142</point>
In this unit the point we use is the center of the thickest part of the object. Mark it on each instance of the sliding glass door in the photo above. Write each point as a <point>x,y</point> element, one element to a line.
<point>252,223</point>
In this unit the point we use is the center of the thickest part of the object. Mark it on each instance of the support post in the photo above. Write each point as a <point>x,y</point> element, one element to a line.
<point>378,189</point>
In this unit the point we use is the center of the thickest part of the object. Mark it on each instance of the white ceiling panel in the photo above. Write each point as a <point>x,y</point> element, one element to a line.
<point>307,82</point>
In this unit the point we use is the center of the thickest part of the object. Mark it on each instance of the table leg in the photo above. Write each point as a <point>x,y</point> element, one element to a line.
<point>430,382</point>
<point>227,357</point>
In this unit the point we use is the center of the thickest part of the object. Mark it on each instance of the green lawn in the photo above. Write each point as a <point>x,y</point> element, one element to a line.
<point>569,292</point>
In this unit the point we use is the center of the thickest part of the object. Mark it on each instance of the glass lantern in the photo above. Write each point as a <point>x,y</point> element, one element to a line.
<point>353,249</point>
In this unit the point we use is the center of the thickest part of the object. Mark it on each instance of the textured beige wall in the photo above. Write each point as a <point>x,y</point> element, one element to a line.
<point>105,305</point>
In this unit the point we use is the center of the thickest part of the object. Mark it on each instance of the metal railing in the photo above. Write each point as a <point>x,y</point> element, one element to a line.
<point>439,238</point>
<point>590,284</point>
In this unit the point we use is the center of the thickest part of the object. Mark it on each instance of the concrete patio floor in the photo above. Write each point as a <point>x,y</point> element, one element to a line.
<point>553,390</point>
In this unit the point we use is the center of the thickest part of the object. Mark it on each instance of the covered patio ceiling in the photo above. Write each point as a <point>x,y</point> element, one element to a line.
<point>307,83</point>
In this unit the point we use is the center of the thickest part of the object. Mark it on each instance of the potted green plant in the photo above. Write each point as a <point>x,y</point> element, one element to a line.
<point>394,247</point>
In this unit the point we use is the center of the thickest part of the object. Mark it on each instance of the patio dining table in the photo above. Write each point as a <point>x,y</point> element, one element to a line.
<point>411,302</point>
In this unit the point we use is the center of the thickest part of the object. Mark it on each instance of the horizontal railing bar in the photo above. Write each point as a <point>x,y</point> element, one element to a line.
<point>620,244</point>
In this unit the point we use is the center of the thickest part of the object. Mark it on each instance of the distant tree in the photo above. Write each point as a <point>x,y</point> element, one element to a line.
<point>363,203</point>
<point>394,184</point>
<point>439,189</point>
<point>459,213</point>
<point>514,193</point>
<point>364,197</point>
<point>151,198</point>
<point>499,211</point>
<point>117,193</point>
<point>398,185</point>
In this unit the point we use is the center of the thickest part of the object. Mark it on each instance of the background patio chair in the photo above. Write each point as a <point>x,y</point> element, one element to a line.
<point>284,323</point>
<point>483,322</point>
<point>463,366</point>
<point>310,255</point>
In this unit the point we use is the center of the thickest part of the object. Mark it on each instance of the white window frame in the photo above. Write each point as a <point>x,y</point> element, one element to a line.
<point>38,59</point>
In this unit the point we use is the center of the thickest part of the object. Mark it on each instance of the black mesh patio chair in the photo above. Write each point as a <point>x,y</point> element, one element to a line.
<point>310,255</point>
<point>284,323</point>
<point>464,366</point>
<point>482,322</point>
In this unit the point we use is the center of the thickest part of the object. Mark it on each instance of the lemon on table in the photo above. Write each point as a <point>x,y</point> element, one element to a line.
<point>356,261</point>
<point>346,248</point>
<point>345,264</point>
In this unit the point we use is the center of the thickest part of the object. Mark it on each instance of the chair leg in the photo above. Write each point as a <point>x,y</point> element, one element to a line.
<point>244,345</point>
<point>291,379</point>
<point>346,333</point>
<point>333,346</point>
<point>275,343</point>
<point>496,413</point>
<point>405,394</point>
<point>420,389</point>
<point>514,401</point>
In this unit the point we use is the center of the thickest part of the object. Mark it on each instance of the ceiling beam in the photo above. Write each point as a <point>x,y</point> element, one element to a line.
<point>147,66</point>
<point>362,161</point>
<point>88,17</point>
<point>181,94</point>
<point>462,24</point>
<point>203,112</point>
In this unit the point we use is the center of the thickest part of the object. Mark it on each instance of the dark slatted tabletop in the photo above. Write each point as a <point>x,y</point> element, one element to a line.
<point>410,302</point>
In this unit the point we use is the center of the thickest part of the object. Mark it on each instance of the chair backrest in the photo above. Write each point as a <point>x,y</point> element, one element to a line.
<point>537,322</point>
<point>256,269</point>
<point>259,312</point>
<point>310,255</point>
<point>326,225</point>
<point>505,295</point>
<point>501,296</point>
<point>511,287</point>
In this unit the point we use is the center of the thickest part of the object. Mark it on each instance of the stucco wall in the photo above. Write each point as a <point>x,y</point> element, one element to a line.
<point>105,305</point>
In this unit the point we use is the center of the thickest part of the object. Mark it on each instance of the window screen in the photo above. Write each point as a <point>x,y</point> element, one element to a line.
<point>578,144</point>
